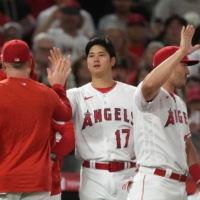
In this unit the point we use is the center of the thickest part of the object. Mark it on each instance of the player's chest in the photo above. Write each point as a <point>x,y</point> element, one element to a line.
<point>105,108</point>
<point>173,114</point>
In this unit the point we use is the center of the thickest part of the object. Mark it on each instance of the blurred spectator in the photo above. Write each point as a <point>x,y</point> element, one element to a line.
<point>193,104</point>
<point>195,69</point>
<point>136,78</point>
<point>97,8</point>
<point>172,30</point>
<point>120,71</point>
<point>37,7</point>
<point>136,33</point>
<point>81,71</point>
<point>50,18</point>
<point>166,8</point>
<point>150,51</point>
<point>66,37</point>
<point>122,9</point>
<point>155,29</point>
<point>42,44</point>
<point>19,11</point>
<point>11,31</point>
<point>192,18</point>
<point>191,82</point>
<point>119,40</point>
<point>149,4</point>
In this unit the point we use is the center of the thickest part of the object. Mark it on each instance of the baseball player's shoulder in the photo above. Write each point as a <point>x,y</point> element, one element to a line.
<point>125,86</point>
<point>79,89</point>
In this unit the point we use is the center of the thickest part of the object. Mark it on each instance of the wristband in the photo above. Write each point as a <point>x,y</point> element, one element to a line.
<point>195,172</point>
<point>53,156</point>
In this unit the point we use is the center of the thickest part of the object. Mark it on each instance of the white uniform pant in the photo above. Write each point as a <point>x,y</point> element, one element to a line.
<point>104,185</point>
<point>147,186</point>
<point>25,196</point>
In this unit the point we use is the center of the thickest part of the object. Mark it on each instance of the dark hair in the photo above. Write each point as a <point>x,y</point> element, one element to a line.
<point>105,42</point>
<point>193,78</point>
<point>180,19</point>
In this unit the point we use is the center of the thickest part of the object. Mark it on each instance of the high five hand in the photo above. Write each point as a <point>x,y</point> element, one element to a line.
<point>61,72</point>
<point>55,56</point>
<point>186,40</point>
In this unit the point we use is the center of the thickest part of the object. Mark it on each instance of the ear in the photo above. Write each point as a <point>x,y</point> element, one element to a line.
<point>113,61</point>
<point>29,66</point>
<point>3,66</point>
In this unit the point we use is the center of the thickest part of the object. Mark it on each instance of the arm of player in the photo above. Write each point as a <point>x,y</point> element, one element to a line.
<point>57,79</point>
<point>67,142</point>
<point>156,79</point>
<point>193,162</point>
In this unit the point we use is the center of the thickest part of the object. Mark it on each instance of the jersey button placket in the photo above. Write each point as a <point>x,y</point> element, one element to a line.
<point>104,96</point>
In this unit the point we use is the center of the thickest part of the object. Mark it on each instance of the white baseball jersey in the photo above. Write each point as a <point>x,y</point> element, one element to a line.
<point>103,122</point>
<point>160,131</point>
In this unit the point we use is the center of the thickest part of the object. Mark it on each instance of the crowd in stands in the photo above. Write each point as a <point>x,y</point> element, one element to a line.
<point>137,28</point>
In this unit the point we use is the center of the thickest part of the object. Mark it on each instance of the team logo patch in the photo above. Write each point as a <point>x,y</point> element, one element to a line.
<point>86,98</point>
<point>16,59</point>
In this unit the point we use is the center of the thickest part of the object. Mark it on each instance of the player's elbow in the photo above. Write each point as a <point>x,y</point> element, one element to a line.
<point>147,90</point>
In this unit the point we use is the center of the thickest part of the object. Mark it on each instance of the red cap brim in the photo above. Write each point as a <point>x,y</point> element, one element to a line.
<point>190,62</point>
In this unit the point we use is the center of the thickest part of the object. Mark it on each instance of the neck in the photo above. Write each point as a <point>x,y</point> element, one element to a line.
<point>169,87</point>
<point>17,74</point>
<point>102,82</point>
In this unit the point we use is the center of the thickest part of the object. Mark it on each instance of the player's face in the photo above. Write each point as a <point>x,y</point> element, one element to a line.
<point>99,61</point>
<point>179,76</point>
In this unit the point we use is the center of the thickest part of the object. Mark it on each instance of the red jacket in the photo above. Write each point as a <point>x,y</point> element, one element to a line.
<point>61,149</point>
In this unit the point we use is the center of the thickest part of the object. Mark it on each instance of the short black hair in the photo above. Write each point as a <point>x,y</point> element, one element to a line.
<point>105,42</point>
<point>172,18</point>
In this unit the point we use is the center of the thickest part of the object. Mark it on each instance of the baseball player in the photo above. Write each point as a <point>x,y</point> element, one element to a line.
<point>62,144</point>
<point>26,109</point>
<point>103,119</point>
<point>163,148</point>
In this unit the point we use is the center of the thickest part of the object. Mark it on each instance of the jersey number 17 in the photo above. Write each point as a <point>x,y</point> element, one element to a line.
<point>118,134</point>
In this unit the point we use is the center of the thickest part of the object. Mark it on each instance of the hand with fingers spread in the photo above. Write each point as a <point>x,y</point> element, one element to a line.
<point>61,72</point>
<point>56,55</point>
<point>186,39</point>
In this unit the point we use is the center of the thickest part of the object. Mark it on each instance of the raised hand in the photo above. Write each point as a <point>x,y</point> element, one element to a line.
<point>186,40</point>
<point>61,72</point>
<point>56,55</point>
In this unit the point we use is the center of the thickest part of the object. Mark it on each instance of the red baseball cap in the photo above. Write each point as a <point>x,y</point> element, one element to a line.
<point>168,51</point>
<point>136,18</point>
<point>193,94</point>
<point>16,51</point>
<point>70,7</point>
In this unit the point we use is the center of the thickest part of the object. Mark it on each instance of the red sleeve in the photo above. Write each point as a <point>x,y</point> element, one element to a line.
<point>63,109</point>
<point>67,142</point>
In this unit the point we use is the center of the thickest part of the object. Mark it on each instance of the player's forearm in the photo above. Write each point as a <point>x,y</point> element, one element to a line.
<point>157,78</point>
<point>63,112</point>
